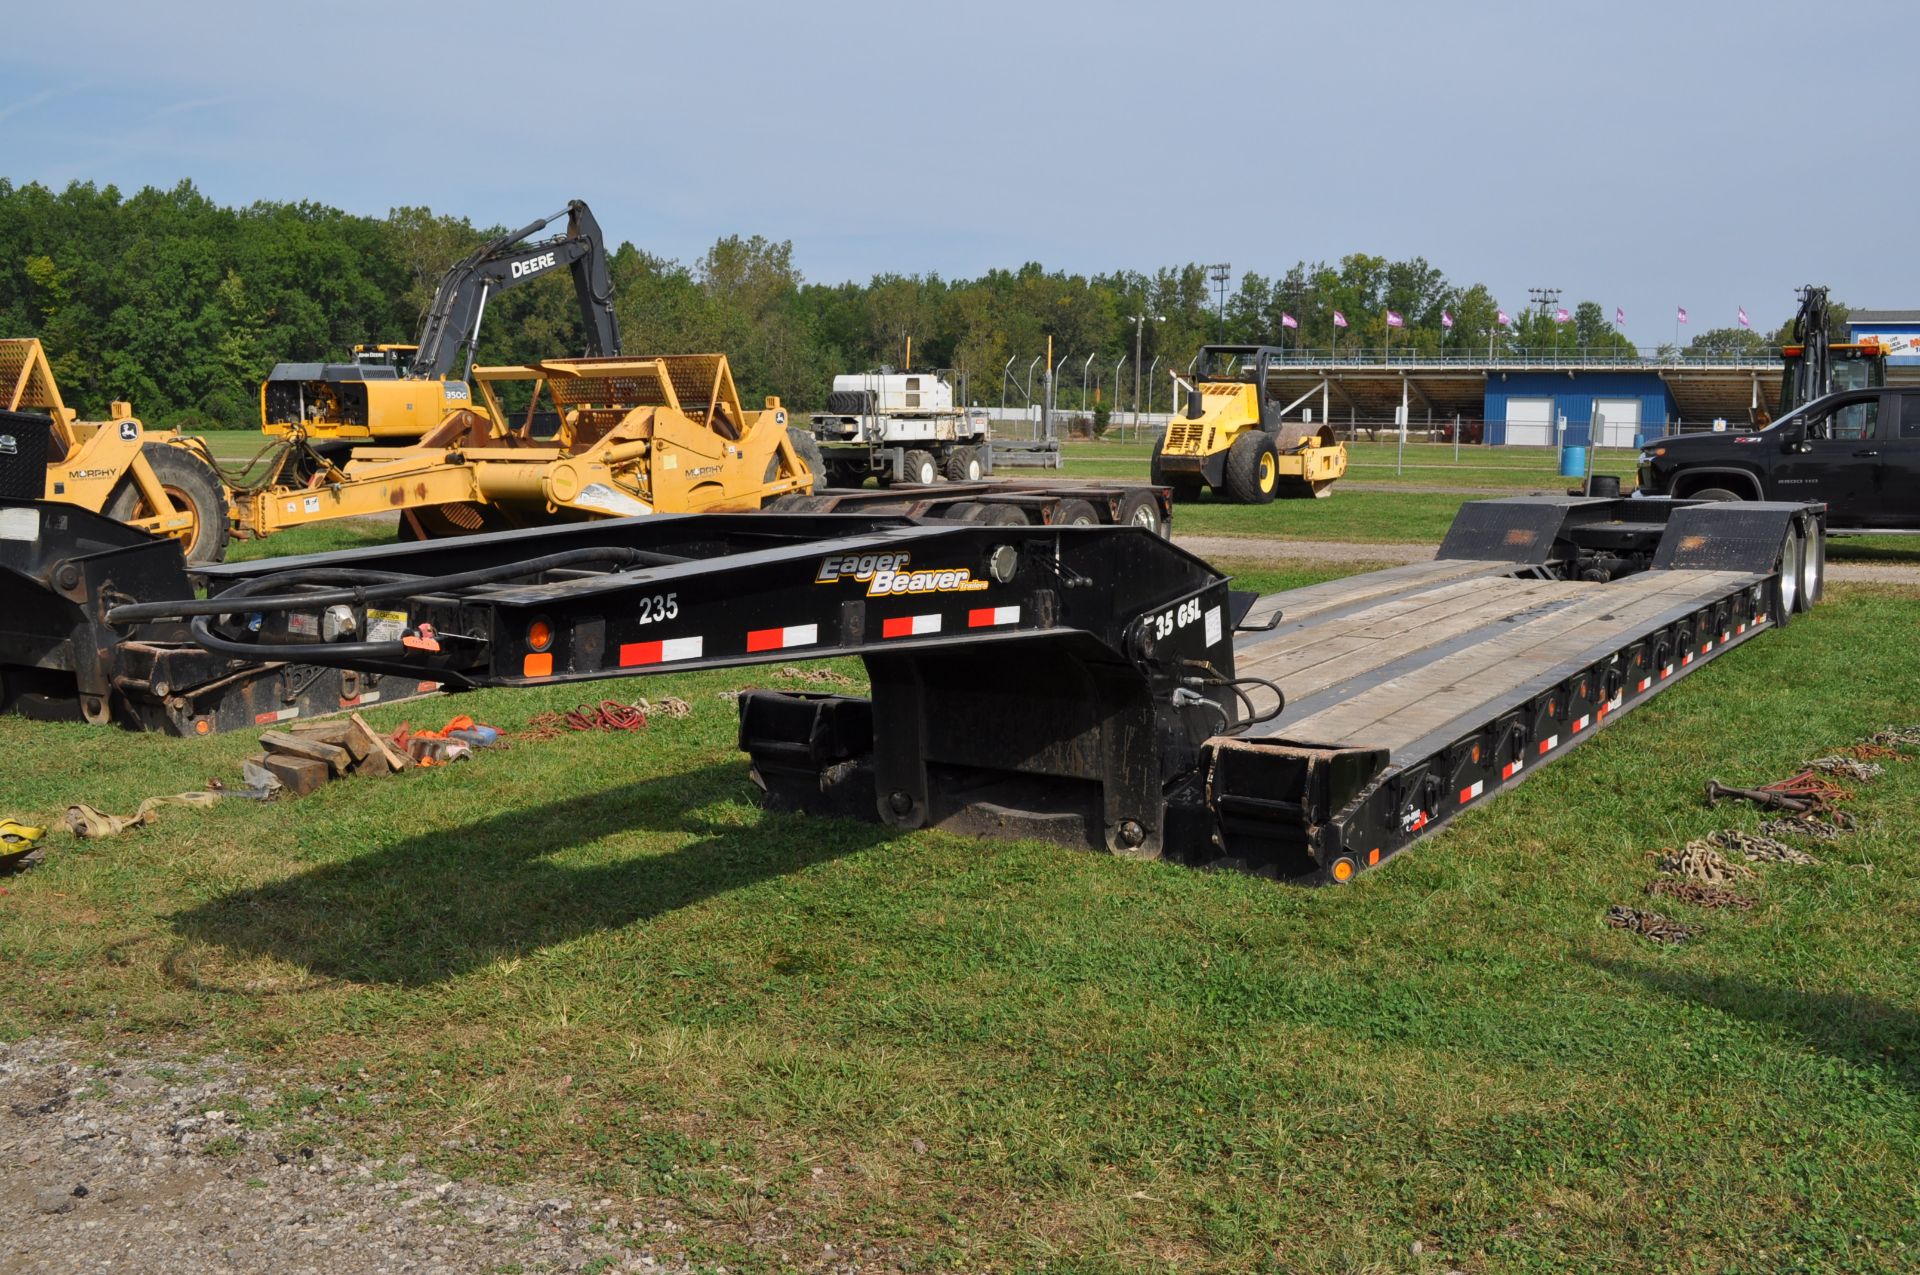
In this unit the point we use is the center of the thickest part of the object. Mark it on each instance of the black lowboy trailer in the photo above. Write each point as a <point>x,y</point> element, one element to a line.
<point>1093,686</point>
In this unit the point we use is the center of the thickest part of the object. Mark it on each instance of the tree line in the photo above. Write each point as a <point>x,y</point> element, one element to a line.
<point>180,306</point>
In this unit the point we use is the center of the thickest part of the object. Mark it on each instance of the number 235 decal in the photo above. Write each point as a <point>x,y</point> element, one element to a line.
<point>661,606</point>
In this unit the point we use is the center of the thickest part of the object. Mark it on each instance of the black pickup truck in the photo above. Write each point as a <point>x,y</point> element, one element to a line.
<point>1857,450</point>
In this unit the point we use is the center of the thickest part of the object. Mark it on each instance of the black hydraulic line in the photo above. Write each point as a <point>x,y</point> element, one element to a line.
<point>294,652</point>
<point>224,603</point>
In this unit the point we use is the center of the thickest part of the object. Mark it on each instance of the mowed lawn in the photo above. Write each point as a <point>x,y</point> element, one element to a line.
<point>593,959</point>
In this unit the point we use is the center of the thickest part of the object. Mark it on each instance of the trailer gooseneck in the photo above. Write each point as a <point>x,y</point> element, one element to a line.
<point>1093,686</point>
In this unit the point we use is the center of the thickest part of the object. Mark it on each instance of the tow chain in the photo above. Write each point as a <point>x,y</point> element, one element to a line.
<point>1652,925</point>
<point>1699,894</point>
<point>1758,848</point>
<point>1701,862</point>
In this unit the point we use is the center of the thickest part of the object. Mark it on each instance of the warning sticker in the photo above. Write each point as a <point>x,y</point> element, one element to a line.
<point>386,626</point>
<point>303,625</point>
<point>1213,626</point>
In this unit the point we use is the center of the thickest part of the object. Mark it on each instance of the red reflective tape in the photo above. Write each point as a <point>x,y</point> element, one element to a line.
<point>782,638</point>
<point>1511,769</point>
<point>664,651</point>
<point>989,617</point>
<point>1645,682</point>
<point>1472,790</point>
<point>1580,722</point>
<point>909,626</point>
<point>1548,744</point>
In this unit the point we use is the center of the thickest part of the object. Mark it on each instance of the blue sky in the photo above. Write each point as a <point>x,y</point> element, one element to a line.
<point>1641,155</point>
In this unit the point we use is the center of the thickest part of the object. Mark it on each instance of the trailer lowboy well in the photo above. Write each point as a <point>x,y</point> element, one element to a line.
<point>1094,686</point>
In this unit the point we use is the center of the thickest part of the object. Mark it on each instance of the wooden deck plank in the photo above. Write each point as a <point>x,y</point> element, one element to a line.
<point>1405,709</point>
<point>1313,599</point>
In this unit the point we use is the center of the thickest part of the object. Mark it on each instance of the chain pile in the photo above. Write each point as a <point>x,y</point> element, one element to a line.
<point>1896,737</point>
<point>1650,925</point>
<point>1699,893</point>
<point>1758,848</point>
<point>1808,827</point>
<point>1700,862</point>
<point>1847,768</point>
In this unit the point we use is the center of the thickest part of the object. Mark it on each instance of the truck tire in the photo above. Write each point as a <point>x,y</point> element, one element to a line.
<point>1714,493</point>
<point>1185,487</point>
<point>190,483</point>
<point>1004,516</point>
<point>1140,509</point>
<point>963,465</point>
<point>1075,513</point>
<point>807,448</point>
<point>1253,469</point>
<point>919,468</point>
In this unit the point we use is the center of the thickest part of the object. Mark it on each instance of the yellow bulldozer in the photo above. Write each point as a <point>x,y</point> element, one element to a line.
<point>553,441</point>
<point>1232,437</point>
<point>155,479</point>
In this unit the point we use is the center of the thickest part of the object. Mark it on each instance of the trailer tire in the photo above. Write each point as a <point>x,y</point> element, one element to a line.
<point>807,448</point>
<point>1075,513</point>
<point>1253,469</point>
<point>1141,509</point>
<point>1004,516</point>
<point>191,482</point>
<point>1813,565</point>
<point>1787,579</point>
<point>963,465</point>
<point>919,468</point>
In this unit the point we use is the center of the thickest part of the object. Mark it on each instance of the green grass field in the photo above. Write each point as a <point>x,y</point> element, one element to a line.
<point>595,960</point>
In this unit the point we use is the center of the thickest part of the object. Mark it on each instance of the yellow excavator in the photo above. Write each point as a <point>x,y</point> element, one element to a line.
<point>155,479</point>
<point>393,393</point>
<point>1231,436</point>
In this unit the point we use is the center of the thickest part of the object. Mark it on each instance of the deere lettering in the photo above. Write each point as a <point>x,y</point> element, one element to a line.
<point>532,265</point>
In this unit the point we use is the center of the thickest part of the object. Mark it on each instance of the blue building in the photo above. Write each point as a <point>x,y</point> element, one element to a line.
<point>1530,407</point>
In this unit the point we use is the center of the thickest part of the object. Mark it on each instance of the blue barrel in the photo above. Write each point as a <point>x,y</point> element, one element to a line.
<point>1573,462</point>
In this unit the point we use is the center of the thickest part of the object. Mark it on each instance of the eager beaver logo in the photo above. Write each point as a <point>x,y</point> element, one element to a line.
<point>886,575</point>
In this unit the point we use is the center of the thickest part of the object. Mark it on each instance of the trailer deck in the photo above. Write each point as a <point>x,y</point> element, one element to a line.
<point>1095,686</point>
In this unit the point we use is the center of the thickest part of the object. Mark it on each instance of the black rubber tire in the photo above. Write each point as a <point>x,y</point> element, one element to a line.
<point>189,478</point>
<point>1714,493</point>
<point>1140,509</point>
<point>1253,469</point>
<point>1813,565</point>
<point>963,465</point>
<point>1075,513</point>
<point>849,402</point>
<point>1786,592</point>
<point>845,473</point>
<point>1004,516</point>
<point>807,448</point>
<point>919,468</point>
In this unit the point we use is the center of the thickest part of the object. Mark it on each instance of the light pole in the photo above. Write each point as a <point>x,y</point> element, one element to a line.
<point>1139,325</point>
<point>1084,369</point>
<point>1006,374</point>
<point>1221,273</point>
<point>1030,367</point>
<point>1545,298</point>
<point>1136,388</point>
<point>1116,379</point>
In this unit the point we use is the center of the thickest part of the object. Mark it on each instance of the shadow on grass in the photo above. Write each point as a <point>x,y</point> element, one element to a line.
<point>440,904</point>
<point>1840,550</point>
<point>1862,1030</point>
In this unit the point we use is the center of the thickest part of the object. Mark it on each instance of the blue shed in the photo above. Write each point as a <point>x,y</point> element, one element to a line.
<point>1526,408</point>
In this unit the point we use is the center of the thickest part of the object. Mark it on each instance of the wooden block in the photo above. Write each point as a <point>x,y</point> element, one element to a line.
<point>332,730</point>
<point>374,763</point>
<point>301,775</point>
<point>395,758</point>
<point>289,744</point>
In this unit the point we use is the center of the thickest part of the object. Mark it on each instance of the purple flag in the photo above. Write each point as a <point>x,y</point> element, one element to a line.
<point>1561,316</point>
<point>1446,319</point>
<point>1743,318</point>
<point>1681,317</point>
<point>1619,317</point>
<point>1288,321</point>
<point>1502,317</point>
<point>1339,319</point>
<point>1394,320</point>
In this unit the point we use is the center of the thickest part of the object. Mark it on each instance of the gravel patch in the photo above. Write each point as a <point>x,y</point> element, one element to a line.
<point>144,1164</point>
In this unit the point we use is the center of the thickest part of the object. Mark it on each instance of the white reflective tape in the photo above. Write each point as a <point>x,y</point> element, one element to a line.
<point>1580,722</point>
